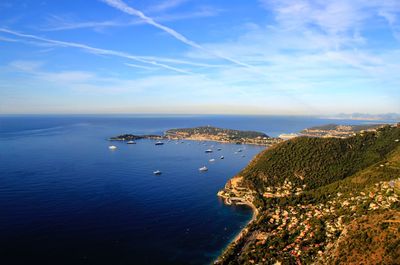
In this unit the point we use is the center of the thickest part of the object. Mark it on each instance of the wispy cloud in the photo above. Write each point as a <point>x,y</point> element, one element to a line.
<point>120,5</point>
<point>94,50</point>
<point>58,23</point>
<point>26,66</point>
<point>166,5</point>
<point>139,66</point>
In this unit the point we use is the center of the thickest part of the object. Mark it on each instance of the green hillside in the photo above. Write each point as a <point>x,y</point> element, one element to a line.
<point>323,201</point>
<point>319,161</point>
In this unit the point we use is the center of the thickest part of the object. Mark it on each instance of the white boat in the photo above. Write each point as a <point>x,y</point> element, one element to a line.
<point>157,172</point>
<point>112,147</point>
<point>212,160</point>
<point>222,157</point>
<point>204,168</point>
<point>131,142</point>
<point>159,143</point>
<point>208,151</point>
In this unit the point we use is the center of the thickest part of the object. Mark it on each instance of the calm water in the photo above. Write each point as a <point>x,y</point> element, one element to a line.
<point>65,198</point>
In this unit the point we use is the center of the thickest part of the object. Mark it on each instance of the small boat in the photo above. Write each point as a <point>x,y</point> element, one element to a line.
<point>208,151</point>
<point>159,143</point>
<point>157,172</point>
<point>204,168</point>
<point>212,160</point>
<point>222,157</point>
<point>112,147</point>
<point>219,149</point>
<point>239,150</point>
<point>131,142</point>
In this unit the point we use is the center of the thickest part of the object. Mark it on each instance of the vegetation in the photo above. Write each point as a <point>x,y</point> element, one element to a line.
<point>354,128</point>
<point>323,201</point>
<point>317,162</point>
<point>208,130</point>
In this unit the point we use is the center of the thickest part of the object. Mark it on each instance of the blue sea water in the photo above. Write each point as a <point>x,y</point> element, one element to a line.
<point>65,198</point>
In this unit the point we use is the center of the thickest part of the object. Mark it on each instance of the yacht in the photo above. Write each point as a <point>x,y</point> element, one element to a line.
<point>212,160</point>
<point>159,143</point>
<point>157,172</point>
<point>222,157</point>
<point>131,142</point>
<point>112,147</point>
<point>208,151</point>
<point>204,168</point>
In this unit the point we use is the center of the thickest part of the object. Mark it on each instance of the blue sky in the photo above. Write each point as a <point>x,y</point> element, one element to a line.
<point>185,56</point>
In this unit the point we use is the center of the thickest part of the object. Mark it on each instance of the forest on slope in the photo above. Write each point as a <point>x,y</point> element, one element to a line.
<point>349,197</point>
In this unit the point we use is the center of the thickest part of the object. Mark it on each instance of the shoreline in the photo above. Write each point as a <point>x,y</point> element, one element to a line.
<point>192,139</point>
<point>241,233</point>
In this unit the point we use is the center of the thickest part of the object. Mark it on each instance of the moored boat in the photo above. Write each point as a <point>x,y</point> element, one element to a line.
<point>204,168</point>
<point>159,143</point>
<point>157,172</point>
<point>112,147</point>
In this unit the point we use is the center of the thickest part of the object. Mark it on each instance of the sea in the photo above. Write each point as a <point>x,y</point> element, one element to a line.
<point>66,198</point>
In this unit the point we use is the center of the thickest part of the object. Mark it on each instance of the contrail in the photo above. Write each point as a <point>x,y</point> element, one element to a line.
<point>95,50</point>
<point>120,5</point>
<point>100,51</point>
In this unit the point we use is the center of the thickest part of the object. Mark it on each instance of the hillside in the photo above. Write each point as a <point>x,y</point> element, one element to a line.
<point>316,162</point>
<point>312,193</point>
<point>339,131</point>
<point>209,133</point>
<point>209,130</point>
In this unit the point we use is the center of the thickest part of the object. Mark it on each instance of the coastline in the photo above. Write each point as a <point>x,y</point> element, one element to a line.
<point>160,137</point>
<point>243,201</point>
<point>242,233</point>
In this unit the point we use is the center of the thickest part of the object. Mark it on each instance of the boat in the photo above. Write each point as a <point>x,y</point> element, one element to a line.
<point>157,172</point>
<point>219,149</point>
<point>131,142</point>
<point>239,150</point>
<point>204,168</point>
<point>222,157</point>
<point>159,143</point>
<point>112,147</point>
<point>208,151</point>
<point>212,160</point>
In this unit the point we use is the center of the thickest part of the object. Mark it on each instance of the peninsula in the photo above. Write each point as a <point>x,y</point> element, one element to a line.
<point>333,130</point>
<point>321,201</point>
<point>207,133</point>
<point>339,131</point>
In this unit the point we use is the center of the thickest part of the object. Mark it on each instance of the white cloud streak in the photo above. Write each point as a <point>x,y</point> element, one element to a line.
<point>57,23</point>
<point>94,50</point>
<point>120,5</point>
<point>168,4</point>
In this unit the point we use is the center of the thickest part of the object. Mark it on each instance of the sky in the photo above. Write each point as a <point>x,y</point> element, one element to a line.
<point>303,57</point>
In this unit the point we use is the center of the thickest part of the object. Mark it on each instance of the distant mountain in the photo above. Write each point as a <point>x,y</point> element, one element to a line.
<point>364,116</point>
